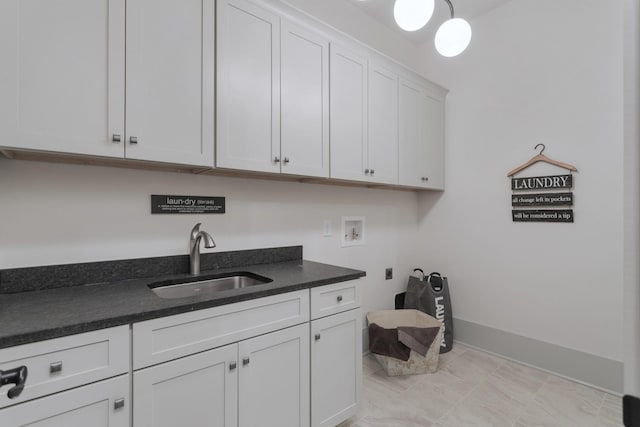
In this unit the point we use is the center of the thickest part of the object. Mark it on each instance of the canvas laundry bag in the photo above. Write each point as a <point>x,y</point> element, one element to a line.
<point>430,294</point>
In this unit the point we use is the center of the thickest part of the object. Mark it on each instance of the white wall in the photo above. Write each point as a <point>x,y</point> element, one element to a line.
<point>56,214</point>
<point>543,71</point>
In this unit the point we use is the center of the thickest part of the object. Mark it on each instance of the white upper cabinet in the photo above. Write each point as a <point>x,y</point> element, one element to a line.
<point>170,81</point>
<point>421,137</point>
<point>383,125</point>
<point>248,109</point>
<point>235,84</point>
<point>62,75</point>
<point>434,121</point>
<point>412,146</point>
<point>273,93</point>
<point>305,102</point>
<point>364,119</point>
<point>64,90</point>
<point>348,114</point>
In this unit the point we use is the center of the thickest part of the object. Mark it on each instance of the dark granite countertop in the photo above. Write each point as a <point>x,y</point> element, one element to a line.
<point>43,314</point>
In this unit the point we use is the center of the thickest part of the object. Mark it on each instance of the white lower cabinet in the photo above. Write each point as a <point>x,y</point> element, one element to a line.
<point>274,379</point>
<point>262,381</point>
<point>200,390</point>
<point>286,360</point>
<point>102,404</point>
<point>336,368</point>
<point>336,352</point>
<point>74,381</point>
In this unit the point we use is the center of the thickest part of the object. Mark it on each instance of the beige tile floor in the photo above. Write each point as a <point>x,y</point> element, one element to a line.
<point>473,388</point>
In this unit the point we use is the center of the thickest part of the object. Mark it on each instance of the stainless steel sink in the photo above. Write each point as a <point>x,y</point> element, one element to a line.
<point>206,285</point>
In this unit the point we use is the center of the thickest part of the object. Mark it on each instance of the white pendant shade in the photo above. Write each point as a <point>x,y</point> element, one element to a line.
<point>411,15</point>
<point>453,37</point>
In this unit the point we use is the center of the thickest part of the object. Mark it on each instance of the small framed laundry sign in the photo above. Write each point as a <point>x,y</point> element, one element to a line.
<point>167,204</point>
<point>522,198</point>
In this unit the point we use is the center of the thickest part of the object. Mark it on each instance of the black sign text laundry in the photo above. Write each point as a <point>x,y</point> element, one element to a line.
<point>167,204</point>
<point>542,182</point>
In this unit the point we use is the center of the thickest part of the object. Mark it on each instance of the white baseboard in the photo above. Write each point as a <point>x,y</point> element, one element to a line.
<point>595,371</point>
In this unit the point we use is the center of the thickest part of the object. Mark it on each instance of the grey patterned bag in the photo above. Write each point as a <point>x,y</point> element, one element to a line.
<point>431,295</point>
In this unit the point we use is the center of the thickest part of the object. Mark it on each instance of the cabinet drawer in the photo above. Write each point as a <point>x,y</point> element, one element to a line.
<point>332,299</point>
<point>102,404</point>
<point>67,362</point>
<point>159,340</point>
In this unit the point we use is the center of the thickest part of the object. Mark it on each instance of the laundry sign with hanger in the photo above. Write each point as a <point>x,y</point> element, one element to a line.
<point>524,197</point>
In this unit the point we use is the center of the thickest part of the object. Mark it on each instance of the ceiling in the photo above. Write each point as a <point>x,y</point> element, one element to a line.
<point>382,10</point>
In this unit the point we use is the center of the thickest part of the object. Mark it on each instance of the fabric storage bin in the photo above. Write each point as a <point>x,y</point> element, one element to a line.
<point>417,364</point>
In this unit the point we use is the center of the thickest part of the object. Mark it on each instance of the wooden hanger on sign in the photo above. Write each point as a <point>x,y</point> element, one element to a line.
<point>542,158</point>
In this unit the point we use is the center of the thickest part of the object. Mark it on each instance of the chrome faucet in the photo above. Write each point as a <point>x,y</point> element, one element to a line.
<point>194,247</point>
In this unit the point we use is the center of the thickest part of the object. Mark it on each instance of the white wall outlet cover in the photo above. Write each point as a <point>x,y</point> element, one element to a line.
<point>327,228</point>
<point>353,231</point>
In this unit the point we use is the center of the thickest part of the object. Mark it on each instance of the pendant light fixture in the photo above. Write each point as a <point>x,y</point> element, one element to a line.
<point>453,36</point>
<point>411,15</point>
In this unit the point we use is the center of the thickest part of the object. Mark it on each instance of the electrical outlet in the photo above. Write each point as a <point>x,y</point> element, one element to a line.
<point>327,228</point>
<point>388,273</point>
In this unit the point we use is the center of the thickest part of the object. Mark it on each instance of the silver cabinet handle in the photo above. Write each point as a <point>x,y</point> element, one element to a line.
<point>245,361</point>
<point>276,159</point>
<point>425,178</point>
<point>55,367</point>
<point>317,337</point>
<point>366,171</point>
<point>133,140</point>
<point>372,171</point>
<point>339,298</point>
<point>286,160</point>
<point>117,404</point>
<point>232,366</point>
<point>115,138</point>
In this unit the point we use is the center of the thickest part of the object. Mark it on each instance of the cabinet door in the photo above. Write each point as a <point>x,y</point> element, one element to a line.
<point>336,368</point>
<point>412,147</point>
<point>348,114</point>
<point>383,125</point>
<point>93,405</point>
<point>199,390</point>
<point>434,135</point>
<point>274,379</point>
<point>421,137</point>
<point>62,75</point>
<point>304,102</point>
<point>170,81</point>
<point>248,110</point>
